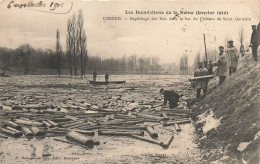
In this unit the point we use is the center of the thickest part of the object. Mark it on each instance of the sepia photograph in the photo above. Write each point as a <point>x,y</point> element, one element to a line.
<point>129,81</point>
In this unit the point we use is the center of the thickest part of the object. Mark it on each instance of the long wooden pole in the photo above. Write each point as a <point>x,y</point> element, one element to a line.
<point>205,48</point>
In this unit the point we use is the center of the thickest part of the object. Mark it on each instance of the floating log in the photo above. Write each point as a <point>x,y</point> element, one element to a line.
<point>177,127</point>
<point>53,123</point>
<point>91,133</point>
<point>26,131</point>
<point>34,106</point>
<point>11,133</point>
<point>12,124</point>
<point>201,78</point>
<point>112,116</point>
<point>151,132</point>
<point>73,124</point>
<point>164,115</point>
<point>79,138</point>
<point>120,133</point>
<point>48,124</point>
<point>12,129</point>
<point>148,140</point>
<point>29,123</point>
<point>37,132</point>
<point>61,119</point>
<point>72,143</point>
<point>3,136</point>
<point>168,142</point>
<point>176,122</point>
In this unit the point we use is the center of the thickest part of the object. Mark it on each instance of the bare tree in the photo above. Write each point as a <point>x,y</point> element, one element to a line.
<point>69,43</point>
<point>58,51</point>
<point>25,52</point>
<point>81,41</point>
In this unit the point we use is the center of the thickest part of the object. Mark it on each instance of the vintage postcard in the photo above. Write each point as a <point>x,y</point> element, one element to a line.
<point>129,81</point>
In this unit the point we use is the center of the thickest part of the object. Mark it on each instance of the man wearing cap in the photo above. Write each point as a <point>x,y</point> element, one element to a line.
<point>254,43</point>
<point>233,57</point>
<point>202,83</point>
<point>222,65</point>
<point>170,96</point>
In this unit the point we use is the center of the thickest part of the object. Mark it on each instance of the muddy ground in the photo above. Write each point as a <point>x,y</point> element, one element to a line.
<point>72,94</point>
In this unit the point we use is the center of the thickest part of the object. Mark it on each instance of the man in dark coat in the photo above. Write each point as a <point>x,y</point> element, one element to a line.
<point>106,77</point>
<point>254,42</point>
<point>170,96</point>
<point>94,76</point>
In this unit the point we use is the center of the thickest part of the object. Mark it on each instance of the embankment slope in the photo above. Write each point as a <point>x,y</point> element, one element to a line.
<point>236,105</point>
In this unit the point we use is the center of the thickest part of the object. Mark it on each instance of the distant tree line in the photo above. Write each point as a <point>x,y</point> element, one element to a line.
<point>29,59</point>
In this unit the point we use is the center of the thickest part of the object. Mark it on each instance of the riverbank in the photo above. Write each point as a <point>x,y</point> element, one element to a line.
<point>227,120</point>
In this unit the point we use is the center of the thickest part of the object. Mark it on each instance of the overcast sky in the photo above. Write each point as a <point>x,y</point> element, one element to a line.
<point>167,40</point>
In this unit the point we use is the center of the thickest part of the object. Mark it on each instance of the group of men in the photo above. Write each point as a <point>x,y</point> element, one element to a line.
<point>227,60</point>
<point>226,63</point>
<point>95,76</point>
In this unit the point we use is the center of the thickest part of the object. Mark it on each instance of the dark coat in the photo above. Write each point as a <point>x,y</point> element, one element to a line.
<point>255,38</point>
<point>172,97</point>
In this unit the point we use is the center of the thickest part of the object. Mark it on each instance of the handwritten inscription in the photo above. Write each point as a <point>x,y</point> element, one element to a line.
<point>42,6</point>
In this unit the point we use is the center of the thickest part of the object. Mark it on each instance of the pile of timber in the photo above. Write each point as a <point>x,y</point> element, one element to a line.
<point>80,128</point>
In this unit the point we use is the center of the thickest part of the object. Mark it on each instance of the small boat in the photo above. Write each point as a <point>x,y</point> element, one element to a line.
<point>105,83</point>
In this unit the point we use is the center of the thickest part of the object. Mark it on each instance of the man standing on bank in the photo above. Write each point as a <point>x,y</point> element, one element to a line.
<point>106,77</point>
<point>233,57</point>
<point>201,83</point>
<point>254,42</point>
<point>94,76</point>
<point>170,96</point>
<point>222,65</point>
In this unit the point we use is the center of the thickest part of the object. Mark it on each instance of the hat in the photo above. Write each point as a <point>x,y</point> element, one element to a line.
<point>221,47</point>
<point>253,25</point>
<point>200,62</point>
<point>231,41</point>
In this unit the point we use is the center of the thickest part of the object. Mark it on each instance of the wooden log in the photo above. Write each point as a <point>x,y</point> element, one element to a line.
<point>72,143</point>
<point>201,78</point>
<point>148,140</point>
<point>3,136</point>
<point>28,123</point>
<point>168,142</point>
<point>54,135</point>
<point>31,106</point>
<point>12,129</point>
<point>61,119</point>
<point>152,132</point>
<point>164,115</point>
<point>120,133</point>
<point>26,131</point>
<point>79,138</point>
<point>11,133</point>
<point>36,131</point>
<point>53,123</point>
<point>73,124</point>
<point>112,117</point>
<point>48,124</point>
<point>176,122</point>
<point>177,127</point>
<point>79,125</point>
<point>85,132</point>
<point>12,124</point>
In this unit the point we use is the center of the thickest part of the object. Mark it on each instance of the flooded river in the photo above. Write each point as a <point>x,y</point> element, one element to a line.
<point>112,149</point>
